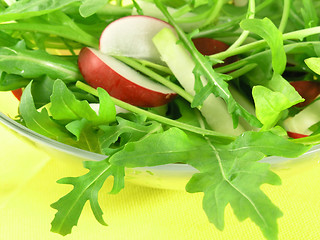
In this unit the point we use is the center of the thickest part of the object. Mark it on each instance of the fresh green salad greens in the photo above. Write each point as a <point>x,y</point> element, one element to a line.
<point>275,43</point>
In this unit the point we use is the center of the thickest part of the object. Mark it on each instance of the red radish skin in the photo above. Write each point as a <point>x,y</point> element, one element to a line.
<point>17,93</point>
<point>131,36</point>
<point>209,46</point>
<point>296,135</point>
<point>98,73</point>
<point>309,90</point>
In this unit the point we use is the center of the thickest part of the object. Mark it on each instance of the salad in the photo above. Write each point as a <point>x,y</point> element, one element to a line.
<point>218,85</point>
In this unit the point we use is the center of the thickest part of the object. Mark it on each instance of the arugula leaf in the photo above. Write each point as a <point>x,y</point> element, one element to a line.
<point>124,132</point>
<point>279,84</point>
<point>55,23</point>
<point>278,94</point>
<point>80,119</point>
<point>216,83</point>
<point>314,64</point>
<point>89,7</point>
<point>86,188</point>
<point>267,30</point>
<point>228,173</point>
<point>35,63</point>
<point>273,98</point>
<point>27,8</point>
<point>65,106</point>
<point>12,81</point>
<point>107,108</point>
<point>41,90</point>
<point>269,105</point>
<point>238,185</point>
<point>310,17</point>
<point>40,122</point>
<point>170,146</point>
<point>88,136</point>
<point>241,178</point>
<point>7,40</point>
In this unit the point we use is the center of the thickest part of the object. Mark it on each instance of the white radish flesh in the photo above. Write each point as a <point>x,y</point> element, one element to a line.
<point>132,37</point>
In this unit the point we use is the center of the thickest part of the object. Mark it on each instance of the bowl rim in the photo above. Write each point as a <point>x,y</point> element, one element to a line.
<point>87,155</point>
<point>30,134</point>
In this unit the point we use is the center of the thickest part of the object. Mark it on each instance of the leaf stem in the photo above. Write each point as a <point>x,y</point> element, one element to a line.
<point>242,62</point>
<point>243,70</point>
<point>155,76</point>
<point>300,34</point>
<point>244,34</point>
<point>214,13</point>
<point>310,140</point>
<point>61,31</point>
<point>230,24</point>
<point>285,15</point>
<point>156,117</point>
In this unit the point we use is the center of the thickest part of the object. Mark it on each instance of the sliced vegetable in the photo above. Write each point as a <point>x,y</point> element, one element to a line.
<point>17,93</point>
<point>309,90</point>
<point>306,118</point>
<point>132,37</point>
<point>210,46</point>
<point>121,81</point>
<point>182,65</point>
<point>296,135</point>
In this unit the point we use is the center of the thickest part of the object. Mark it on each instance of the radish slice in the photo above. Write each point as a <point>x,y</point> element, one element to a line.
<point>17,93</point>
<point>131,36</point>
<point>209,46</point>
<point>296,135</point>
<point>309,90</point>
<point>121,81</point>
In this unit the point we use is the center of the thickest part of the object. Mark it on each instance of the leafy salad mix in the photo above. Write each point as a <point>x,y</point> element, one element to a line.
<point>268,89</point>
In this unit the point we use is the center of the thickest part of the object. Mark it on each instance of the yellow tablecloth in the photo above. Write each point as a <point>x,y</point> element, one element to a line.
<point>28,187</point>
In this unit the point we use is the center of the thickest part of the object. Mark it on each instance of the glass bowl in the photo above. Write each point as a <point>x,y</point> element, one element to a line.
<point>171,176</point>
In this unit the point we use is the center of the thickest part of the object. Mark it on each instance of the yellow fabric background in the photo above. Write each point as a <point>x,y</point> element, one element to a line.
<point>137,213</point>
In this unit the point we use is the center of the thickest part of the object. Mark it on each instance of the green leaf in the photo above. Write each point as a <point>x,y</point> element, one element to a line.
<point>7,40</point>
<point>279,84</point>
<point>161,148</point>
<point>215,84</point>
<point>86,188</point>
<point>90,7</point>
<point>35,63</point>
<point>310,16</point>
<point>56,24</point>
<point>12,81</point>
<point>41,90</point>
<point>268,31</point>
<point>107,109</point>
<point>76,127</point>
<point>234,176</point>
<point>314,64</point>
<point>40,122</point>
<point>65,106</point>
<point>88,137</point>
<point>28,8</point>
<point>273,98</point>
<point>228,173</point>
<point>269,105</point>
<point>124,132</point>
<point>238,185</point>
